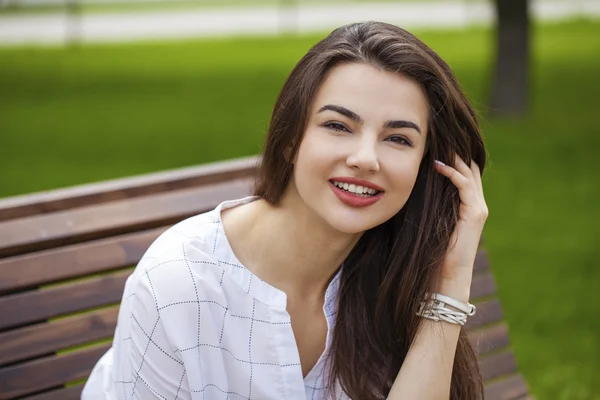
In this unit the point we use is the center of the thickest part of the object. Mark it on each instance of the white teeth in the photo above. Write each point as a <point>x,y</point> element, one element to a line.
<point>356,189</point>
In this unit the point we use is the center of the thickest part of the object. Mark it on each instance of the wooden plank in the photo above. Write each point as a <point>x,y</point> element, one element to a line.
<point>487,312</point>
<point>69,393</point>
<point>482,261</point>
<point>118,217</point>
<point>49,372</point>
<point>489,339</point>
<point>39,305</point>
<point>497,365</point>
<point>482,285</point>
<point>118,189</point>
<point>511,388</point>
<point>75,260</point>
<point>45,338</point>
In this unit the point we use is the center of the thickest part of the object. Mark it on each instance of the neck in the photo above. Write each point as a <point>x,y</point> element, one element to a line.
<point>290,247</point>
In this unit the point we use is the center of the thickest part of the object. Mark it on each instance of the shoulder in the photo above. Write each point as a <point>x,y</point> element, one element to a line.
<point>191,263</point>
<point>180,262</point>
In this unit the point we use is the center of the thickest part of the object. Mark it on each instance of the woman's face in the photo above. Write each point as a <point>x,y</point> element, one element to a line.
<point>366,133</point>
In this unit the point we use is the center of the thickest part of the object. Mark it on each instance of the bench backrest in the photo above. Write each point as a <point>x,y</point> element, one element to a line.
<point>65,256</point>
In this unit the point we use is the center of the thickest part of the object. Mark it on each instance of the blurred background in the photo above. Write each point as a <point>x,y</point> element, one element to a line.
<point>98,89</point>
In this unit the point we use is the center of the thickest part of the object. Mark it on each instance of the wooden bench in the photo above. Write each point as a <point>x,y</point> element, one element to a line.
<point>65,256</point>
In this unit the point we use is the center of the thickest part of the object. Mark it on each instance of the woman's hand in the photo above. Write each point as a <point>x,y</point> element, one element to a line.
<point>457,269</point>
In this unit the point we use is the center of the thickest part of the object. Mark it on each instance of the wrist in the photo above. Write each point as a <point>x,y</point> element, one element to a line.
<point>457,289</point>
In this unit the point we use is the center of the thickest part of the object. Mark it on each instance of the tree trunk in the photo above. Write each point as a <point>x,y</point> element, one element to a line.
<point>511,78</point>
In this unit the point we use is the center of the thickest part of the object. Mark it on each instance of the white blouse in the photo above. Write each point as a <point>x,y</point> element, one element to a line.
<point>194,323</point>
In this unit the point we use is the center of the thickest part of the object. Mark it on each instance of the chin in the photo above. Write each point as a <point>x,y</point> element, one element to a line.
<point>347,223</point>
<point>349,228</point>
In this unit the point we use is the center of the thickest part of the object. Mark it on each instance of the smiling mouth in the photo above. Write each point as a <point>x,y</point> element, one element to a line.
<point>361,191</point>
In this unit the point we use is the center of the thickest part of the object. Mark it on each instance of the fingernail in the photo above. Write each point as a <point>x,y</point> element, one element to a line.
<point>438,162</point>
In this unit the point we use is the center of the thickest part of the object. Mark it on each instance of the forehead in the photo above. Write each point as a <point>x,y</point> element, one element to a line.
<point>373,93</point>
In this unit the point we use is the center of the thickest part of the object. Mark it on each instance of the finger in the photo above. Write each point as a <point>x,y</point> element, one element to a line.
<point>457,179</point>
<point>477,175</point>
<point>467,190</point>
<point>462,166</point>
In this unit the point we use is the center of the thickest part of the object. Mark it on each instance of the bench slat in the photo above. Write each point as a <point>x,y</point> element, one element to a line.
<point>41,339</point>
<point>38,305</point>
<point>69,393</point>
<point>483,285</point>
<point>511,388</point>
<point>74,261</point>
<point>488,312</point>
<point>51,230</point>
<point>79,260</point>
<point>117,189</point>
<point>489,339</point>
<point>486,340</point>
<point>497,365</point>
<point>48,372</point>
<point>482,261</point>
<point>505,359</point>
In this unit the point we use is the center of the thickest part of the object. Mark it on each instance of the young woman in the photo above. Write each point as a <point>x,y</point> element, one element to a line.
<point>368,207</point>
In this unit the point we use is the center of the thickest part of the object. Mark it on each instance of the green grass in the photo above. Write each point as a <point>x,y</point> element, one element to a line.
<point>77,115</point>
<point>544,193</point>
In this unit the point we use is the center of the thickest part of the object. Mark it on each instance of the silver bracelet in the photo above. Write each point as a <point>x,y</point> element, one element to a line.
<point>439,307</point>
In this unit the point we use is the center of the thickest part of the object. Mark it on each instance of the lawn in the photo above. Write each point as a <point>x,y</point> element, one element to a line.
<point>78,115</point>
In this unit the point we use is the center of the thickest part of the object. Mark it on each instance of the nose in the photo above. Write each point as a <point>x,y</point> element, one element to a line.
<point>363,156</point>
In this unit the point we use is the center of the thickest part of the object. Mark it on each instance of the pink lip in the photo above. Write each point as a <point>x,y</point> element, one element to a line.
<point>352,199</point>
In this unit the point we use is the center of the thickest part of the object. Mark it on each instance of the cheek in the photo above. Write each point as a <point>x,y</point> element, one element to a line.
<point>314,155</point>
<point>306,166</point>
<point>404,175</point>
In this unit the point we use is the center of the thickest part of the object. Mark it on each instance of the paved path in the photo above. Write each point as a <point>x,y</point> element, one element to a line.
<point>131,26</point>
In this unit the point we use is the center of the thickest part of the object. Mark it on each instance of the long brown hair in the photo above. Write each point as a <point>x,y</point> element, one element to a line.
<point>394,264</point>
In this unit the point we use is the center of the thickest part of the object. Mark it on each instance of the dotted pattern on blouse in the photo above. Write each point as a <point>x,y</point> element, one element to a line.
<point>194,325</point>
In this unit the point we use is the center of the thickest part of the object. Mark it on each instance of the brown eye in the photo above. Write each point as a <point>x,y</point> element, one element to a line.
<point>336,127</point>
<point>400,140</point>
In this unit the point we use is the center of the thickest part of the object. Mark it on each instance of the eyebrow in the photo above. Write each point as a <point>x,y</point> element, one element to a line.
<point>391,124</point>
